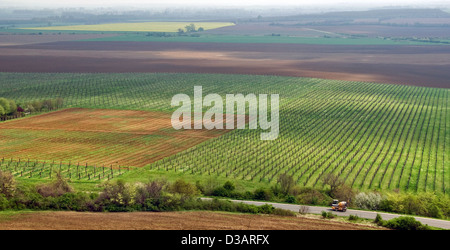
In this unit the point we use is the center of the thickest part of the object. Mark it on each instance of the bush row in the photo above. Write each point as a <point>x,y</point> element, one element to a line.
<point>402,223</point>
<point>118,196</point>
<point>422,204</point>
<point>280,192</point>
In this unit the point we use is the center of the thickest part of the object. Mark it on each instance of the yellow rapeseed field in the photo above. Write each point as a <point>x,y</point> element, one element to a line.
<point>141,27</point>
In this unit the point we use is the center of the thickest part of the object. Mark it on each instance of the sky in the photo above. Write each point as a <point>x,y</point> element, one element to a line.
<point>113,3</point>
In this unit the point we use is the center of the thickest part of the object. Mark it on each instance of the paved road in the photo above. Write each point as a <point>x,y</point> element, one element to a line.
<point>362,214</point>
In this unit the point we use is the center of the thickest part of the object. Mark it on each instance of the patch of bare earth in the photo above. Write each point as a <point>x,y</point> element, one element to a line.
<point>168,221</point>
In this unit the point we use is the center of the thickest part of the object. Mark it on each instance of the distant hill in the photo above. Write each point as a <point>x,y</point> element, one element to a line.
<point>381,14</point>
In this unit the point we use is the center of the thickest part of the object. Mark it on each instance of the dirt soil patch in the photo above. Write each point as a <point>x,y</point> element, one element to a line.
<point>409,65</point>
<point>168,221</point>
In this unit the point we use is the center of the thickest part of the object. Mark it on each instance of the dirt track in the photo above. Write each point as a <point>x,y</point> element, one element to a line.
<point>167,221</point>
<point>410,65</point>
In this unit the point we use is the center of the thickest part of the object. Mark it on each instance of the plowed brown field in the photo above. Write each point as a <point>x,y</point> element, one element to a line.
<point>410,65</point>
<point>167,221</point>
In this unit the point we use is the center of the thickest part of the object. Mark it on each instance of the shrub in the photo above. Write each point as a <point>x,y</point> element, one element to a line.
<point>7,184</point>
<point>221,192</point>
<point>229,186</point>
<point>170,202</point>
<point>72,201</point>
<point>116,196</point>
<point>290,199</point>
<point>56,188</point>
<point>283,212</point>
<point>328,215</point>
<point>353,217</point>
<point>303,209</point>
<point>424,204</point>
<point>370,201</point>
<point>227,190</point>
<point>4,202</point>
<point>209,187</point>
<point>262,194</point>
<point>27,197</point>
<point>378,220</point>
<point>148,192</point>
<point>308,195</point>
<point>405,223</point>
<point>266,209</point>
<point>200,187</point>
<point>184,189</point>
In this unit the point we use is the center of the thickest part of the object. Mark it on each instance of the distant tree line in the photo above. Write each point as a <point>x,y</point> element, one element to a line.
<point>45,105</point>
<point>9,109</point>
<point>189,29</point>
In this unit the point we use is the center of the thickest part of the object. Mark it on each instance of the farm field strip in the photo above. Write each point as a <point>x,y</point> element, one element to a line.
<point>50,169</point>
<point>138,27</point>
<point>376,136</point>
<point>96,137</point>
<point>410,65</point>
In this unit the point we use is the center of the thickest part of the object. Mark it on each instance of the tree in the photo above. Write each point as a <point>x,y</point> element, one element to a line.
<point>190,28</point>
<point>2,111</point>
<point>4,103</point>
<point>59,102</point>
<point>286,183</point>
<point>37,105</point>
<point>201,29</point>
<point>20,109</point>
<point>180,32</point>
<point>48,104</point>
<point>30,108</point>
<point>333,181</point>
<point>12,107</point>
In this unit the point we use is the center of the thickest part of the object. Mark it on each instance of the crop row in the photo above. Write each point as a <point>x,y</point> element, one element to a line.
<point>375,136</point>
<point>48,170</point>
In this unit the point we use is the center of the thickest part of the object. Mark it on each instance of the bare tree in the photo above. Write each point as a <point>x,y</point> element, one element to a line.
<point>7,184</point>
<point>334,181</point>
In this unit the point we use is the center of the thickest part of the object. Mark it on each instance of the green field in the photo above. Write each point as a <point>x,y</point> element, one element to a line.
<point>203,38</point>
<point>375,136</point>
<point>139,27</point>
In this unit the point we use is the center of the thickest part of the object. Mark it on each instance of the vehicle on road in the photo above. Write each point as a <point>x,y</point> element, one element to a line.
<point>339,206</point>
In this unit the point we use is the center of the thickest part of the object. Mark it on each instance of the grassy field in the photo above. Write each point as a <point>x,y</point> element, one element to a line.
<point>260,39</point>
<point>138,27</point>
<point>375,136</point>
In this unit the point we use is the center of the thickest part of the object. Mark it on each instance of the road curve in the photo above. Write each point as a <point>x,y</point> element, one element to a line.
<point>362,214</point>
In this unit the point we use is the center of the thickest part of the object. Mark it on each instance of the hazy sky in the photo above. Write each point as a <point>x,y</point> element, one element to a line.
<point>112,3</point>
